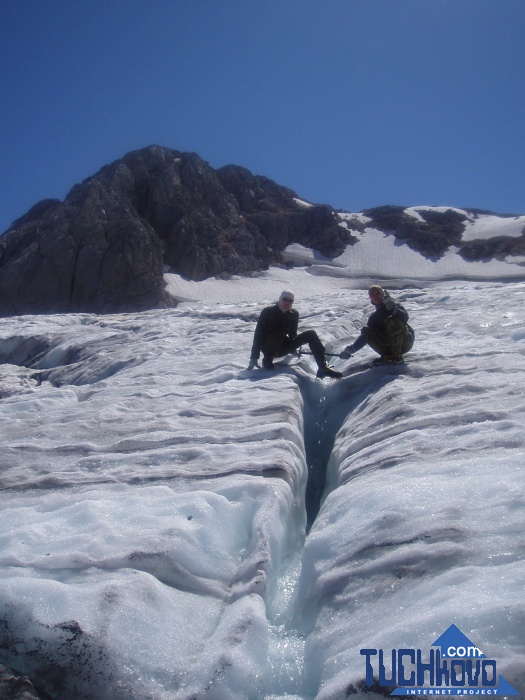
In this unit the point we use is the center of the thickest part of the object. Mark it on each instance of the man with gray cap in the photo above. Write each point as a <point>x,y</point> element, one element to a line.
<point>387,330</point>
<point>276,335</point>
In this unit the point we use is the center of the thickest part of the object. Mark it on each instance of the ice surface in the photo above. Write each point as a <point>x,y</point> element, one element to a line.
<point>154,492</point>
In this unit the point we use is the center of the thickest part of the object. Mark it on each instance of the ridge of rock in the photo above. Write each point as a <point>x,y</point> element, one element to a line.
<point>106,246</point>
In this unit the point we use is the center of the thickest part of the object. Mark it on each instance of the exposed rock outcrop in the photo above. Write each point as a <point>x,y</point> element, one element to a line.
<point>14,686</point>
<point>498,247</point>
<point>91,252</point>
<point>280,216</point>
<point>106,246</point>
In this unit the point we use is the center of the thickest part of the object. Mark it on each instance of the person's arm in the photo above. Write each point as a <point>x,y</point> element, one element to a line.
<point>394,309</point>
<point>401,313</point>
<point>292,333</point>
<point>259,333</point>
<point>354,347</point>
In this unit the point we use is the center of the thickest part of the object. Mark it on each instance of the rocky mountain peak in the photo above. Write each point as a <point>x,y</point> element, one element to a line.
<point>106,246</point>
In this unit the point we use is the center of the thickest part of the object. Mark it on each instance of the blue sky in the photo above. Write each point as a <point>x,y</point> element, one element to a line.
<point>354,103</point>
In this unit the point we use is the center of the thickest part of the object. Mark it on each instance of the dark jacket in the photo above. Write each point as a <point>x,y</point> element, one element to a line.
<point>274,328</point>
<point>376,322</point>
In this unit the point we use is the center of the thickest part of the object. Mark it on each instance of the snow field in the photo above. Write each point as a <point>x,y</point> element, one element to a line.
<point>153,497</point>
<point>151,506</point>
<point>422,520</point>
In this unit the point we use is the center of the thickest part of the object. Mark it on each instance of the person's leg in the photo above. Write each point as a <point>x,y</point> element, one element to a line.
<point>377,341</point>
<point>400,340</point>
<point>317,349</point>
<point>311,339</point>
<point>271,348</point>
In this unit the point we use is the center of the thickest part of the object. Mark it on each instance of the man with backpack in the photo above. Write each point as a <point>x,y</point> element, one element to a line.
<point>387,330</point>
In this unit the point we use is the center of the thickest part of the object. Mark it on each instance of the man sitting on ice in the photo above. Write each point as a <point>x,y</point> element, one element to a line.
<point>276,335</point>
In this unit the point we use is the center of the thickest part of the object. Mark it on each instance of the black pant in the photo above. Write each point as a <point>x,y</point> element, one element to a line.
<point>307,338</point>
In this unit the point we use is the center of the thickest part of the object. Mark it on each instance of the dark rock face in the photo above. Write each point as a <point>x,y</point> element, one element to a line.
<point>14,686</point>
<point>498,247</point>
<point>276,213</point>
<point>88,253</point>
<point>105,247</point>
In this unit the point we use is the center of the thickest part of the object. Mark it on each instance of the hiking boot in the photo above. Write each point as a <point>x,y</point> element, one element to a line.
<point>393,359</point>
<point>267,363</point>
<point>327,371</point>
<point>388,360</point>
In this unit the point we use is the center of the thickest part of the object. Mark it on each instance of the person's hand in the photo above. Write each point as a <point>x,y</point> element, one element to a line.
<point>388,302</point>
<point>347,352</point>
<point>253,364</point>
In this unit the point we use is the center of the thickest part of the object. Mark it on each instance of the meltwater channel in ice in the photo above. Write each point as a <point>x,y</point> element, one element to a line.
<point>174,526</point>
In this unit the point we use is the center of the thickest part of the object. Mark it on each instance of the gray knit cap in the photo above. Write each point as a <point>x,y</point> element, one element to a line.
<point>375,288</point>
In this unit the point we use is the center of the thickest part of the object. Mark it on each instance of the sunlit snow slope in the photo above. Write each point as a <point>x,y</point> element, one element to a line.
<point>155,494</point>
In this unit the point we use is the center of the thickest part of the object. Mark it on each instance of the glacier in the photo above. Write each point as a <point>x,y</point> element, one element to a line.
<point>177,527</point>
